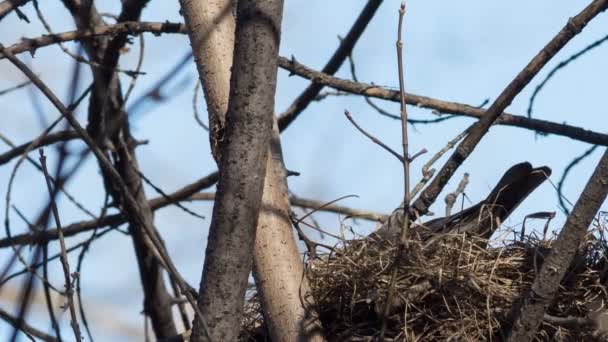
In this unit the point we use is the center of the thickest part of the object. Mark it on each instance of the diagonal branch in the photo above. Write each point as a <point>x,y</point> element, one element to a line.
<point>574,26</point>
<point>339,56</point>
<point>110,220</point>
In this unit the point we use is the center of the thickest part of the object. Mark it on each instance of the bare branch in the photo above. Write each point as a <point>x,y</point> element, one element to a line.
<point>372,138</point>
<point>441,106</point>
<point>49,139</point>
<point>336,60</point>
<point>110,220</point>
<point>69,289</point>
<point>369,90</point>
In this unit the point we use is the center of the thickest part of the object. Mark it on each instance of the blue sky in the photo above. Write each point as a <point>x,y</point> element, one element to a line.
<point>458,51</point>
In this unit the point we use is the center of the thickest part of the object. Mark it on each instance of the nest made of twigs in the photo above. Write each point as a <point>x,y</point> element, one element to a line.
<point>452,290</point>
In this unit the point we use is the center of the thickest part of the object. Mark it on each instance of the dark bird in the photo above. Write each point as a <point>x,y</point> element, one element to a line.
<point>482,219</point>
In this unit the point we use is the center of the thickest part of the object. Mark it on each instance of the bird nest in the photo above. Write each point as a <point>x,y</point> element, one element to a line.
<point>451,290</point>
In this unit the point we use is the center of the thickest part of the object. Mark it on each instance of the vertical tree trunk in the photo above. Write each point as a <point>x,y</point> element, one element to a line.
<point>278,267</point>
<point>244,149</point>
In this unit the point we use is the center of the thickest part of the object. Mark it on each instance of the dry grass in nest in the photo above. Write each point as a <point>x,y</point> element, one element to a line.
<point>453,290</point>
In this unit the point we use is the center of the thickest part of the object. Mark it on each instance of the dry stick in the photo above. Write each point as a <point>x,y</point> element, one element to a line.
<point>529,315</point>
<point>369,90</point>
<point>69,290</point>
<point>131,205</point>
<point>481,127</point>
<point>406,179</point>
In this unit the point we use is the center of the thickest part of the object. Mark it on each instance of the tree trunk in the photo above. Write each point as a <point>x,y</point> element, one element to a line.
<point>278,271</point>
<point>244,149</point>
<point>278,267</point>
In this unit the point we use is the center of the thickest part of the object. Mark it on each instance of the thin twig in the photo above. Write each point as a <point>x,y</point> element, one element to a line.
<point>13,88</point>
<point>406,179</point>
<point>372,138</point>
<point>69,289</point>
<point>559,66</point>
<point>195,107</point>
<point>316,205</point>
<point>562,180</point>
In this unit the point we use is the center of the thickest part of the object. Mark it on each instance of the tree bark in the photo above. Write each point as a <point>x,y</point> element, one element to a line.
<point>529,315</point>
<point>244,151</point>
<point>211,28</point>
<point>278,270</point>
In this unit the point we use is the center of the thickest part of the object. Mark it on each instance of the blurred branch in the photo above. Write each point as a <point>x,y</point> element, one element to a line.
<point>560,185</point>
<point>69,288</point>
<point>9,5</point>
<point>25,328</point>
<point>13,88</point>
<point>49,139</point>
<point>130,204</point>
<point>110,220</point>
